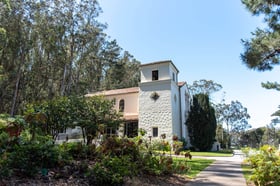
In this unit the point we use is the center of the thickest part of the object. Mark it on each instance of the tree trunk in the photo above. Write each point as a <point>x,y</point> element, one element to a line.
<point>62,90</point>
<point>16,90</point>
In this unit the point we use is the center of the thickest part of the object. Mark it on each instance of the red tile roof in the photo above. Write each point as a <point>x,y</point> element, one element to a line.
<point>116,91</point>
<point>182,83</point>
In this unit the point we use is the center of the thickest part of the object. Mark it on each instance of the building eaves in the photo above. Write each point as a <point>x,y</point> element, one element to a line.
<point>182,83</point>
<point>160,62</point>
<point>115,92</point>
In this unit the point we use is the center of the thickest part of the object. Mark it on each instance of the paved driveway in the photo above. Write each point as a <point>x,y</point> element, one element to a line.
<point>225,171</point>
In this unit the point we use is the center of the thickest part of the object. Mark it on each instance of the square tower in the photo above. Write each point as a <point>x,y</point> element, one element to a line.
<point>159,97</point>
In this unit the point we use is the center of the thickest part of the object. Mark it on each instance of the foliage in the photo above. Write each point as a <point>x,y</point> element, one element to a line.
<point>235,117</point>
<point>112,170</point>
<point>4,140</point>
<point>202,123</point>
<point>271,136</point>
<point>177,145</point>
<point>139,159</point>
<point>221,135</point>
<point>57,48</point>
<point>90,113</point>
<point>252,138</point>
<point>7,120</point>
<point>271,85</point>
<point>277,113</point>
<point>112,161</point>
<point>161,145</point>
<point>78,151</point>
<point>262,51</point>
<point>13,125</point>
<point>118,147</point>
<point>255,138</point>
<point>247,172</point>
<point>204,87</point>
<point>265,164</point>
<point>34,152</point>
<point>27,157</point>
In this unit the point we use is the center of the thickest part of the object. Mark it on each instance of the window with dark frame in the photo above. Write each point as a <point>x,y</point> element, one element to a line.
<point>155,131</point>
<point>155,75</point>
<point>111,131</point>
<point>121,105</point>
<point>131,129</point>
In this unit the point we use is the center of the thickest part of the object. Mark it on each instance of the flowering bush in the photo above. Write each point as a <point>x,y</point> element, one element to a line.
<point>266,166</point>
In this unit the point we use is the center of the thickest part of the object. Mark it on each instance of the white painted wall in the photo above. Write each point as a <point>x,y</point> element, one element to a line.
<point>165,68</point>
<point>155,113</point>
<point>185,108</point>
<point>175,103</point>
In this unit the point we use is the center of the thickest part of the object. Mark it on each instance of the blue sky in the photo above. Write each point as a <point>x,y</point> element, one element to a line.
<point>202,38</point>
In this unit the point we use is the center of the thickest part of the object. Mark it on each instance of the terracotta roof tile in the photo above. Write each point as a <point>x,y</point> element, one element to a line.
<point>115,92</point>
<point>182,83</point>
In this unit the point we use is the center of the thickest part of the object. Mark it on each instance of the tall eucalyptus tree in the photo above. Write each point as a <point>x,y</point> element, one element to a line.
<point>57,48</point>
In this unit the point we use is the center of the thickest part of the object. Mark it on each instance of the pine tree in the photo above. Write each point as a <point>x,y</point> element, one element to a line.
<point>262,51</point>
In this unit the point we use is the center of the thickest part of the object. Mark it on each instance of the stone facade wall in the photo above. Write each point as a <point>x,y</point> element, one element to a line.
<point>155,112</point>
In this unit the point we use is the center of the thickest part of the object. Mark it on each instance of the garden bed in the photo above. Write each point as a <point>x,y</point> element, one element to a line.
<point>146,180</point>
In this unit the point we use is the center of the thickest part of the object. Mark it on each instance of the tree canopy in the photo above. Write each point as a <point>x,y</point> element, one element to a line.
<point>57,48</point>
<point>93,114</point>
<point>235,116</point>
<point>262,51</point>
<point>204,86</point>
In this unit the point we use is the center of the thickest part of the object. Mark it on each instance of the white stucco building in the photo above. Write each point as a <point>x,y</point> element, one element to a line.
<point>159,105</point>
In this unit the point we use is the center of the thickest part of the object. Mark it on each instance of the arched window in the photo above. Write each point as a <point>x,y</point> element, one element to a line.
<point>121,105</point>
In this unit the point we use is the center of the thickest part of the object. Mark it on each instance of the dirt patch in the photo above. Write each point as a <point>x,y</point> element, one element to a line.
<point>157,181</point>
<point>174,180</point>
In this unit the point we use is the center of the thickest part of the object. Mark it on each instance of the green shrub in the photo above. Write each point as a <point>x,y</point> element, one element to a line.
<point>5,170</point>
<point>180,166</point>
<point>26,156</point>
<point>30,157</point>
<point>177,147</point>
<point>79,151</point>
<point>161,145</point>
<point>111,170</point>
<point>114,146</point>
<point>149,164</point>
<point>266,166</point>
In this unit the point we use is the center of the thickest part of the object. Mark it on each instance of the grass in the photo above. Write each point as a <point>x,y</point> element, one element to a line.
<point>212,154</point>
<point>196,165</point>
<point>247,172</point>
<point>209,154</point>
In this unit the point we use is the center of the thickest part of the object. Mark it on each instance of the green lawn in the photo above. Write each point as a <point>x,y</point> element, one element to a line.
<point>247,171</point>
<point>211,154</point>
<point>196,165</point>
